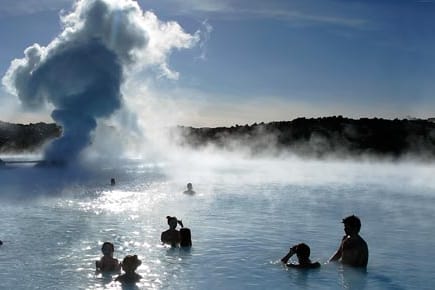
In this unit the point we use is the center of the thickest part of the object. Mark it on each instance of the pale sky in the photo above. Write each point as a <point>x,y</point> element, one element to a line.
<point>268,60</point>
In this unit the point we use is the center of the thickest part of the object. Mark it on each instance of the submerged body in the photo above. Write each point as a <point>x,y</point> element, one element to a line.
<point>302,251</point>
<point>353,250</point>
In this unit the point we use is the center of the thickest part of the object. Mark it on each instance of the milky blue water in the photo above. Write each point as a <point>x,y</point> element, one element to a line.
<point>243,218</point>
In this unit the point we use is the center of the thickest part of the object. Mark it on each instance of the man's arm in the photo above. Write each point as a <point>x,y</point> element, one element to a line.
<point>338,253</point>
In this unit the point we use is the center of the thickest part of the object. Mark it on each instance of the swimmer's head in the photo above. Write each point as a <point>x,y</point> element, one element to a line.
<point>172,222</point>
<point>107,248</point>
<point>130,263</point>
<point>302,251</point>
<point>352,225</point>
<point>189,186</point>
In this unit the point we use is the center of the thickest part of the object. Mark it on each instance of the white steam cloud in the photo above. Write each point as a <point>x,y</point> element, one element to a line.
<point>80,73</point>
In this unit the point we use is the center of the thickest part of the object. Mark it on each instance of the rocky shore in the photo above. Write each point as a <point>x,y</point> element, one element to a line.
<point>16,138</point>
<point>322,137</point>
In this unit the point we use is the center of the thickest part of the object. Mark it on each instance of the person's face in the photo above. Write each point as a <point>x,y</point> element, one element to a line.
<point>107,250</point>
<point>348,229</point>
<point>189,186</point>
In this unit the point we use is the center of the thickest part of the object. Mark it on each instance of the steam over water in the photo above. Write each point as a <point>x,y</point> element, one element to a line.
<point>243,218</point>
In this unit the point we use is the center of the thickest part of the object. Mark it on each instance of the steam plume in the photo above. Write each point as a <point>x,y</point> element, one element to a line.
<point>81,71</point>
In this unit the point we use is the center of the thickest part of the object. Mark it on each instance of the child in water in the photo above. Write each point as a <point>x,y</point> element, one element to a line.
<point>129,265</point>
<point>302,251</point>
<point>107,263</point>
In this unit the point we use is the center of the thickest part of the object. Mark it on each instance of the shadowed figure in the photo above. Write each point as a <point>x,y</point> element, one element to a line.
<point>171,236</point>
<point>129,265</point>
<point>112,182</point>
<point>353,250</point>
<point>107,263</point>
<point>189,189</point>
<point>302,251</point>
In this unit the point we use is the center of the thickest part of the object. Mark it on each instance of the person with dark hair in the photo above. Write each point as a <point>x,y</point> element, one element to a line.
<point>112,181</point>
<point>302,251</point>
<point>353,250</point>
<point>129,265</point>
<point>171,236</point>
<point>189,189</point>
<point>107,263</point>
<point>185,236</point>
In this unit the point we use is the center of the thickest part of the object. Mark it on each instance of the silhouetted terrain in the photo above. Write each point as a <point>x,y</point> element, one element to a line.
<point>321,137</point>
<point>19,138</point>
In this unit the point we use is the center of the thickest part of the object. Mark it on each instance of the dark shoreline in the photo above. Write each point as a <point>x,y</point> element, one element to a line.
<point>324,137</point>
<point>18,138</point>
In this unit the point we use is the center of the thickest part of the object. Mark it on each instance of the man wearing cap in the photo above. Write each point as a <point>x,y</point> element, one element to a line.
<point>353,250</point>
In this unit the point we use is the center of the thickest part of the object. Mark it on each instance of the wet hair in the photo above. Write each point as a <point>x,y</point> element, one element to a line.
<point>131,263</point>
<point>353,221</point>
<point>303,251</point>
<point>185,238</point>
<point>189,185</point>
<point>108,244</point>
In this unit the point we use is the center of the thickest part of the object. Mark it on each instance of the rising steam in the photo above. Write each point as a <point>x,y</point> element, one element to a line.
<point>81,71</point>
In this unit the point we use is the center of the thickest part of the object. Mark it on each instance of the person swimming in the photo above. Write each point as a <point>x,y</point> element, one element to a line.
<point>112,182</point>
<point>353,250</point>
<point>129,265</point>
<point>107,263</point>
<point>171,236</point>
<point>189,189</point>
<point>302,251</point>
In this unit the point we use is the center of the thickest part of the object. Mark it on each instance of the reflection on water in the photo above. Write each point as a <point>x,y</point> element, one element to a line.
<point>52,241</point>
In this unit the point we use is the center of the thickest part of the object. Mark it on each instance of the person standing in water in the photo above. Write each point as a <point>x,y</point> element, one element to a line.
<point>171,236</point>
<point>107,263</point>
<point>302,251</point>
<point>189,189</point>
<point>353,250</point>
<point>112,181</point>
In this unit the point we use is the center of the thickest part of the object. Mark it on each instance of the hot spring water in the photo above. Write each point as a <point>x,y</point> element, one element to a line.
<point>243,218</point>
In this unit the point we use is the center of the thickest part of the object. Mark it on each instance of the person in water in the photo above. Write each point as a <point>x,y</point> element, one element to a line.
<point>112,182</point>
<point>171,236</point>
<point>129,265</point>
<point>302,251</point>
<point>189,189</point>
<point>107,263</point>
<point>185,236</point>
<point>353,250</point>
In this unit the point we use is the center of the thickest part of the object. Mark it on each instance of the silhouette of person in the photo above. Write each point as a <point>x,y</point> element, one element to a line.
<point>302,251</point>
<point>171,236</point>
<point>353,250</point>
<point>189,189</point>
<point>129,265</point>
<point>185,236</point>
<point>112,181</point>
<point>107,263</point>
<point>1,243</point>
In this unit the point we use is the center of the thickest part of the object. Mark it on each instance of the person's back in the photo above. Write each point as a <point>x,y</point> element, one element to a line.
<point>129,265</point>
<point>355,251</point>
<point>185,237</point>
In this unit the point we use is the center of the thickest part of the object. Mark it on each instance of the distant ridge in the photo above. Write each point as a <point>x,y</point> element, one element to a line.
<point>322,137</point>
<point>15,138</point>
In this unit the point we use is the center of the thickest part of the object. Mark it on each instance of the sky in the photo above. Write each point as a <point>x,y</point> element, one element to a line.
<point>260,61</point>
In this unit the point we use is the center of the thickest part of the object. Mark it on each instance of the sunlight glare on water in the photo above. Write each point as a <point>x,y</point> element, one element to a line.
<point>243,221</point>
